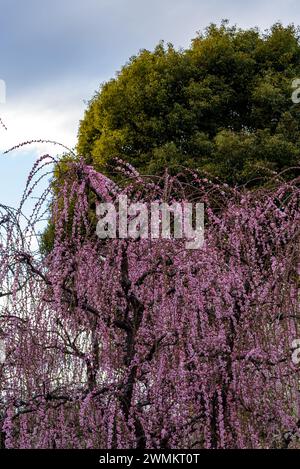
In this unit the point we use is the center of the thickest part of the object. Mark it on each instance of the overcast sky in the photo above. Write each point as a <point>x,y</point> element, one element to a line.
<point>55,53</point>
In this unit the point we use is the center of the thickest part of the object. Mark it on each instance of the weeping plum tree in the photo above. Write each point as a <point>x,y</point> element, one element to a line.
<point>137,343</point>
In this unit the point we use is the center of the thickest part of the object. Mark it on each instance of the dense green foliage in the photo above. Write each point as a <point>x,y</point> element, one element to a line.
<point>223,105</point>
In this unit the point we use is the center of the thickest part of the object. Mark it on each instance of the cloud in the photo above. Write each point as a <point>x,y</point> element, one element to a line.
<point>50,112</point>
<point>92,37</point>
<point>54,55</point>
<point>47,113</point>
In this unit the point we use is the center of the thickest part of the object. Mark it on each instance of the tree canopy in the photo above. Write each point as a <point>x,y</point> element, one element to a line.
<point>223,105</point>
<point>142,343</point>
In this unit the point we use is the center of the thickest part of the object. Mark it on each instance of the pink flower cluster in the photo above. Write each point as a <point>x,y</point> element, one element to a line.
<point>144,344</point>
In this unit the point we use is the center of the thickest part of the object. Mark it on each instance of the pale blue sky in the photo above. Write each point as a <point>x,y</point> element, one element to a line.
<point>54,54</point>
